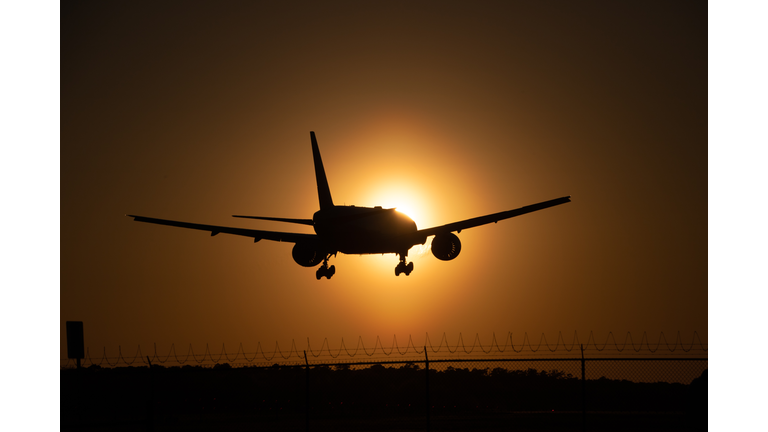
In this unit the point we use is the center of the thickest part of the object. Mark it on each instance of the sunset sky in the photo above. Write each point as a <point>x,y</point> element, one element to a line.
<point>448,110</point>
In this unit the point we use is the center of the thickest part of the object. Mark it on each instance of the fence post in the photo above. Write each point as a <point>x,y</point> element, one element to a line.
<point>306,394</point>
<point>426,361</point>
<point>583,393</point>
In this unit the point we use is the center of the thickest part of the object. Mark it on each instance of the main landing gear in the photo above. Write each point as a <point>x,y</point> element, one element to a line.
<point>403,267</point>
<point>324,270</point>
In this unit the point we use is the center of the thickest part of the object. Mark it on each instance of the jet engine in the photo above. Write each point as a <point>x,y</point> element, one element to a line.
<point>307,254</point>
<point>446,247</point>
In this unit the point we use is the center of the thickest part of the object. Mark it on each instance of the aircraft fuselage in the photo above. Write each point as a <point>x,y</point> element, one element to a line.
<point>366,230</point>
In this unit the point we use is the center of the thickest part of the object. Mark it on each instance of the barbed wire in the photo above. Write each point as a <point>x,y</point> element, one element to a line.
<point>610,344</point>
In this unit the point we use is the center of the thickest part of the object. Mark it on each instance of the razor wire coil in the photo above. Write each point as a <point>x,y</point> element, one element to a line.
<point>611,344</point>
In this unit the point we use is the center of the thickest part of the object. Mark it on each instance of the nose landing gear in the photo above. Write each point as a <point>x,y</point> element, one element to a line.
<point>324,270</point>
<point>403,267</point>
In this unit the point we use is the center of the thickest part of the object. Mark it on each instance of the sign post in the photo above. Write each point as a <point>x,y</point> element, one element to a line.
<point>75,344</point>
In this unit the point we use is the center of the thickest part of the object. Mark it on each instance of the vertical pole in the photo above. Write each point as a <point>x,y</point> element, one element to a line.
<point>583,393</point>
<point>306,394</point>
<point>426,360</point>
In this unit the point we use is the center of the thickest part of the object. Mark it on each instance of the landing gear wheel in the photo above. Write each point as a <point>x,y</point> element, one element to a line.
<point>400,268</point>
<point>324,270</point>
<point>403,267</point>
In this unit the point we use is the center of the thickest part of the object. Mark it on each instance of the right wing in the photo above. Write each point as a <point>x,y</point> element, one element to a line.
<point>256,235</point>
<point>482,220</point>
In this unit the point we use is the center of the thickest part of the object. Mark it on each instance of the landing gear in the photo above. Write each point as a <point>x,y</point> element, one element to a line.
<point>324,270</point>
<point>403,267</point>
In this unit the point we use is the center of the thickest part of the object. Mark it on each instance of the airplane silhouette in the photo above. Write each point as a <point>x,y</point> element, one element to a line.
<point>358,230</point>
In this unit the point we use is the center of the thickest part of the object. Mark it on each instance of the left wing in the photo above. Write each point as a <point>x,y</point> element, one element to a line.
<point>482,220</point>
<point>255,234</point>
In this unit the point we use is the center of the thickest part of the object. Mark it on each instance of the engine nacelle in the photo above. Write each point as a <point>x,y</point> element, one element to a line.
<point>446,247</point>
<point>307,254</point>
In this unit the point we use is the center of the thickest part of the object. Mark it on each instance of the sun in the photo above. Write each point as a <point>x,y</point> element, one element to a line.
<point>408,211</point>
<point>406,201</point>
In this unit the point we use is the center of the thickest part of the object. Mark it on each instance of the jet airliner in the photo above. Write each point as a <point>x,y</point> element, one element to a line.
<point>358,230</point>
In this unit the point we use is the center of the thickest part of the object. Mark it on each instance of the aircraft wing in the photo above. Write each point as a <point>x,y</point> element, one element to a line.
<point>495,217</point>
<point>256,235</point>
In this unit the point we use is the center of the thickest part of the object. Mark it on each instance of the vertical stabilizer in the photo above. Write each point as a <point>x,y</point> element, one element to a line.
<point>323,191</point>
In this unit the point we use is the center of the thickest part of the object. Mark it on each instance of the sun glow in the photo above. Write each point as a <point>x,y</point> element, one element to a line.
<point>405,200</point>
<point>411,213</point>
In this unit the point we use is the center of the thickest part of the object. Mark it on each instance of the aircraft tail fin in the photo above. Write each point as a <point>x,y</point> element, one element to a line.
<point>323,191</point>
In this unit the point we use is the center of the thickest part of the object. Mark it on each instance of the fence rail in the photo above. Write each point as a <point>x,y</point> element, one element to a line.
<point>325,354</point>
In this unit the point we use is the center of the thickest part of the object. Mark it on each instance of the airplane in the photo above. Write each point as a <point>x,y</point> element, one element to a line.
<point>358,230</point>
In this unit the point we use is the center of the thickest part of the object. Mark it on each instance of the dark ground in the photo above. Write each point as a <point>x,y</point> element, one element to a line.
<point>370,399</point>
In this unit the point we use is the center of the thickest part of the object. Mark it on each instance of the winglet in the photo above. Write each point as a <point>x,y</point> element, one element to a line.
<point>323,191</point>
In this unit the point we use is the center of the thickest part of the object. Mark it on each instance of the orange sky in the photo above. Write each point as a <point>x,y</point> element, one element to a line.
<point>451,109</point>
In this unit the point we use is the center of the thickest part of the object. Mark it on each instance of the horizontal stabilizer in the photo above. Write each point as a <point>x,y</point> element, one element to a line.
<point>296,221</point>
